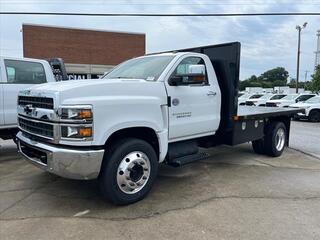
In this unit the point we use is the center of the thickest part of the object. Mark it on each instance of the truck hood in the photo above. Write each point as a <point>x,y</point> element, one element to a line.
<point>301,105</point>
<point>280,101</point>
<point>89,91</point>
<point>75,84</point>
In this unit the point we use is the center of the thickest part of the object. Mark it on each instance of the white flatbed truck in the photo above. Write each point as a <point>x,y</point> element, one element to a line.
<point>158,108</point>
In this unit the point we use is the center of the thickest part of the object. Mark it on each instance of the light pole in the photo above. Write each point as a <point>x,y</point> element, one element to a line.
<point>299,28</point>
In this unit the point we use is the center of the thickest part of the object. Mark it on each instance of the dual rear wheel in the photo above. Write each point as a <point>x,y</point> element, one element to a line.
<point>274,142</point>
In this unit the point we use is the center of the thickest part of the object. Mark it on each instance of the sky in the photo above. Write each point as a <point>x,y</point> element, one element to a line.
<point>266,41</point>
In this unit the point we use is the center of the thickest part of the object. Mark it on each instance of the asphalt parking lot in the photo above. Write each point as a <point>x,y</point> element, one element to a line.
<point>305,136</point>
<point>235,194</point>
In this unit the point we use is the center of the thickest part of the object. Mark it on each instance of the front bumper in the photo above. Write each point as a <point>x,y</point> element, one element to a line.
<point>65,162</point>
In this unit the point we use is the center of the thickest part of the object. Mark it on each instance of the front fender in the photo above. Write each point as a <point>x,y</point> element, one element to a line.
<point>125,125</point>
<point>161,135</point>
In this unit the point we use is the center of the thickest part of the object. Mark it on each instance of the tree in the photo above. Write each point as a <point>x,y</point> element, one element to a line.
<point>275,74</point>
<point>250,82</point>
<point>315,80</point>
<point>269,79</point>
<point>305,85</point>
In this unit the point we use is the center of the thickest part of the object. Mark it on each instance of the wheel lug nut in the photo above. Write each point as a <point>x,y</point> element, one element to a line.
<point>141,163</point>
<point>144,177</point>
<point>131,184</point>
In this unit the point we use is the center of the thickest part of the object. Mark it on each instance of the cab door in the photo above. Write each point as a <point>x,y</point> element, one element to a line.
<point>20,75</point>
<point>194,109</point>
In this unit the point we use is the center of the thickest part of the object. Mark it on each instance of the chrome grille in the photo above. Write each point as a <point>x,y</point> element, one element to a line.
<point>271,104</point>
<point>38,102</point>
<point>248,103</point>
<point>36,127</point>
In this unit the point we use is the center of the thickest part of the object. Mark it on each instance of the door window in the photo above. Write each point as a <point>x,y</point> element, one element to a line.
<point>304,98</point>
<point>24,72</point>
<point>183,66</point>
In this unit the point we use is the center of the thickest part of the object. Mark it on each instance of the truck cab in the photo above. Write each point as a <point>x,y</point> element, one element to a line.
<point>158,108</point>
<point>17,74</point>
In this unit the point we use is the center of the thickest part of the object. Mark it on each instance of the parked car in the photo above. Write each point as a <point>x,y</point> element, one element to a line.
<point>289,99</point>
<point>261,101</point>
<point>311,107</point>
<point>158,108</point>
<point>17,74</point>
<point>242,99</point>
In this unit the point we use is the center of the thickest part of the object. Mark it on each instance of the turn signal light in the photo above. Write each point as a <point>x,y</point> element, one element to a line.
<point>85,132</point>
<point>85,114</point>
<point>235,118</point>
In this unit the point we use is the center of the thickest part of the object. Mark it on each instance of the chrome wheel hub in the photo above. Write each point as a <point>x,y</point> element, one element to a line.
<point>280,139</point>
<point>133,172</point>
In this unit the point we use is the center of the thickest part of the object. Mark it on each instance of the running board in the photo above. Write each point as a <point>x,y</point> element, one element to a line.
<point>178,162</point>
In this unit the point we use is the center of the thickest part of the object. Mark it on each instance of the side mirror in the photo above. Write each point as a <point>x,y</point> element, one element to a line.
<point>196,69</point>
<point>195,74</point>
<point>297,100</point>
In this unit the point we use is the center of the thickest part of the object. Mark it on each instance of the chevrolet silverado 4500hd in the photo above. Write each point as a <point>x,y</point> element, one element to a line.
<point>158,108</point>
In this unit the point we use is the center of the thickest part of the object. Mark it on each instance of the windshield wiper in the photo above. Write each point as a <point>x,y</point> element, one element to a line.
<point>126,77</point>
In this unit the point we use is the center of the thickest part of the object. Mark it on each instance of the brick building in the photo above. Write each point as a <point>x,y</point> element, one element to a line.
<point>86,53</point>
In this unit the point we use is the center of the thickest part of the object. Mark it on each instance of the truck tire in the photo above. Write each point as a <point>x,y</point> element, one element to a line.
<point>128,171</point>
<point>275,139</point>
<point>258,146</point>
<point>314,116</point>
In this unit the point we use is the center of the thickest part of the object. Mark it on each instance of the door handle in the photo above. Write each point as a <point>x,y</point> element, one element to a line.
<point>211,93</point>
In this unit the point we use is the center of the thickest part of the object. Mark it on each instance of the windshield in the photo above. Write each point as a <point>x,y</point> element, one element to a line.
<point>256,96</point>
<point>267,96</point>
<point>246,95</point>
<point>148,68</point>
<point>276,97</point>
<point>313,100</point>
<point>290,97</point>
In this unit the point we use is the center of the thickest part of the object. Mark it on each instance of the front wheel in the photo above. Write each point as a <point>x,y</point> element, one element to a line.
<point>128,171</point>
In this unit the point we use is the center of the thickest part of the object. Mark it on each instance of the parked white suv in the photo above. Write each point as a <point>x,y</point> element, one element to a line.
<point>243,98</point>
<point>311,107</point>
<point>289,99</point>
<point>17,74</point>
<point>261,101</point>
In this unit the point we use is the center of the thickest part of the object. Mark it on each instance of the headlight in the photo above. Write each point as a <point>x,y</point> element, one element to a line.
<point>76,122</point>
<point>77,132</point>
<point>77,113</point>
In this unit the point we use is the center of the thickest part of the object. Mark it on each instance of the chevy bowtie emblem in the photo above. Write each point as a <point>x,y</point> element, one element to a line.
<point>28,109</point>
